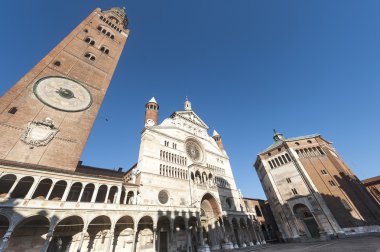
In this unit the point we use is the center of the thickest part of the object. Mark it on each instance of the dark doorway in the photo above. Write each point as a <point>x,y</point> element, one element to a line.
<point>303,213</point>
<point>163,242</point>
<point>60,244</point>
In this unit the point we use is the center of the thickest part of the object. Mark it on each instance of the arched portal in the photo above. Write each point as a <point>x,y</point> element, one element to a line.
<point>303,214</point>
<point>67,234</point>
<point>163,233</point>
<point>210,213</point>
<point>29,235</point>
<point>145,236</point>
<point>123,240</point>
<point>98,233</point>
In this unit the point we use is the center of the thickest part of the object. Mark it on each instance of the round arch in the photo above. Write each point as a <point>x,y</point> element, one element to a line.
<point>124,234</point>
<point>98,232</point>
<point>144,237</point>
<point>66,234</point>
<point>6,183</point>
<point>303,213</point>
<point>29,234</point>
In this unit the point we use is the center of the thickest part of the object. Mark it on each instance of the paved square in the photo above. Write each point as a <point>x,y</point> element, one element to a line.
<point>362,244</point>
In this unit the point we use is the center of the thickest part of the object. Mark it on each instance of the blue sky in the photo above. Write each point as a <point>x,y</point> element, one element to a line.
<point>248,66</point>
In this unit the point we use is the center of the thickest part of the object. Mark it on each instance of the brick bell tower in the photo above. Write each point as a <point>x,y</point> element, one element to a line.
<point>151,113</point>
<point>47,116</point>
<point>218,139</point>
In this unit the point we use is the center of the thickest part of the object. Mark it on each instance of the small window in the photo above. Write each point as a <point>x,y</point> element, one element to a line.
<point>332,183</point>
<point>269,154</point>
<point>104,49</point>
<point>85,30</point>
<point>288,180</point>
<point>12,110</point>
<point>57,63</point>
<point>99,28</point>
<point>90,56</point>
<point>297,143</point>
<point>270,164</point>
<point>90,41</point>
<point>323,172</point>
<point>279,149</point>
<point>112,37</point>
<point>320,150</point>
<point>309,141</point>
<point>294,191</point>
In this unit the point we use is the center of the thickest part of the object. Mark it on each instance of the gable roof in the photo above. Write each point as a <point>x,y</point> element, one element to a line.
<point>280,142</point>
<point>191,117</point>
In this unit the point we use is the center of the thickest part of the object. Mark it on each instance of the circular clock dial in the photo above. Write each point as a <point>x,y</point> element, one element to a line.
<point>62,94</point>
<point>194,151</point>
<point>149,122</point>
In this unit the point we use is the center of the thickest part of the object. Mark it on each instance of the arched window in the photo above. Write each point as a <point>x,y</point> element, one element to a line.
<point>90,41</point>
<point>90,56</point>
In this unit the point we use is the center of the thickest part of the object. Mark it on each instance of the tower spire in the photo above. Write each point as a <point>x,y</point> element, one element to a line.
<point>151,112</point>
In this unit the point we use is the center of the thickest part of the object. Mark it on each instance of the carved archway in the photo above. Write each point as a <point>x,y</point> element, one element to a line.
<point>303,214</point>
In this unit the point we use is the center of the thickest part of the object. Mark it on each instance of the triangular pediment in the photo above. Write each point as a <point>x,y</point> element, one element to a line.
<point>191,117</point>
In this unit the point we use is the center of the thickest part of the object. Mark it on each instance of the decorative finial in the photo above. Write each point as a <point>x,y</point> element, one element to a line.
<point>187,104</point>
<point>274,131</point>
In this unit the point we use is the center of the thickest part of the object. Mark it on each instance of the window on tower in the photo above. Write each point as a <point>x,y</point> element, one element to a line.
<point>90,41</point>
<point>104,49</point>
<point>12,110</point>
<point>90,56</point>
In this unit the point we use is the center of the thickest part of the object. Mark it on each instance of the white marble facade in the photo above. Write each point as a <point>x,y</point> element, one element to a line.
<point>180,196</point>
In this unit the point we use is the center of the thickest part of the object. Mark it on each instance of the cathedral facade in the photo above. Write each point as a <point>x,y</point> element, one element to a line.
<point>180,195</point>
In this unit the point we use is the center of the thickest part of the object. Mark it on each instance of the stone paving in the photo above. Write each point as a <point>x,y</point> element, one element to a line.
<point>362,244</point>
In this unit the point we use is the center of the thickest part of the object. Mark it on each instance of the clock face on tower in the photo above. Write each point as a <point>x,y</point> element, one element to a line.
<point>62,94</point>
<point>149,123</point>
<point>194,151</point>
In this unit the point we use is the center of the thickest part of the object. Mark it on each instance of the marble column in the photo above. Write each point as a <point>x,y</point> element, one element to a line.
<point>50,190</point>
<point>154,238</point>
<point>6,238</point>
<point>81,239</point>
<point>49,235</point>
<point>33,188</point>
<point>134,238</point>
